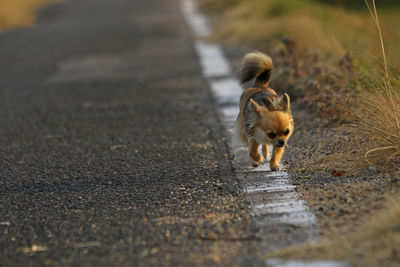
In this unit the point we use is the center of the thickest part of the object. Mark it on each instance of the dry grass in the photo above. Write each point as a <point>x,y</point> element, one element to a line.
<point>375,132</point>
<point>366,136</point>
<point>378,117</point>
<point>313,24</point>
<point>375,110</point>
<point>19,13</point>
<point>375,242</point>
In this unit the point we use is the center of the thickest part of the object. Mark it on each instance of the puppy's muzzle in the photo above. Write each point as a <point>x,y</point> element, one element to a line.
<point>281,143</point>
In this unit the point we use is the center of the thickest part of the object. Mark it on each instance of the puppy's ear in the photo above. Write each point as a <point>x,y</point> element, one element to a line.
<point>256,107</point>
<point>285,102</point>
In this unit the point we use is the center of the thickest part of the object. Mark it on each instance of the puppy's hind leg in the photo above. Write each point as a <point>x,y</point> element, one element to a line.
<point>253,152</point>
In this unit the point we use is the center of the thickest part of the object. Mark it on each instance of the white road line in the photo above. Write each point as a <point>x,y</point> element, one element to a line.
<point>273,198</point>
<point>227,91</point>
<point>212,59</point>
<point>269,189</point>
<point>297,263</point>
<point>197,22</point>
<point>282,207</point>
<point>229,113</point>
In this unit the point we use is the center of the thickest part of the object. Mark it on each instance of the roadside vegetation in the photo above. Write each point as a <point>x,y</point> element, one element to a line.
<point>326,25</point>
<point>19,13</point>
<point>338,59</point>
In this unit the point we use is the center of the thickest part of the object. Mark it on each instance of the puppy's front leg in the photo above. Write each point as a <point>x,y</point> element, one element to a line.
<point>276,157</point>
<point>265,151</point>
<point>253,152</point>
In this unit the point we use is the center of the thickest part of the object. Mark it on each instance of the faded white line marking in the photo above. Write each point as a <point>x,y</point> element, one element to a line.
<point>197,22</point>
<point>303,218</point>
<point>104,66</point>
<point>229,113</point>
<point>277,174</point>
<point>247,168</point>
<point>282,207</point>
<point>298,263</point>
<point>226,90</point>
<point>87,244</point>
<point>273,182</point>
<point>261,197</point>
<point>212,60</point>
<point>269,189</point>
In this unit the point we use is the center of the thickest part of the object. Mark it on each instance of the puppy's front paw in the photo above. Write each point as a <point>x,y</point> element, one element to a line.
<point>275,168</point>
<point>257,160</point>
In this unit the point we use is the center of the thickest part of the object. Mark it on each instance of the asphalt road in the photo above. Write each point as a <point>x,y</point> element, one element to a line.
<point>111,151</point>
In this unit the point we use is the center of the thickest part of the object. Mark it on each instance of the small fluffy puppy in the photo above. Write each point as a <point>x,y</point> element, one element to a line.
<point>264,117</point>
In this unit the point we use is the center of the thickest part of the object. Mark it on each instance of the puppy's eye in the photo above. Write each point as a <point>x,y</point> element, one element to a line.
<point>271,135</point>
<point>286,132</point>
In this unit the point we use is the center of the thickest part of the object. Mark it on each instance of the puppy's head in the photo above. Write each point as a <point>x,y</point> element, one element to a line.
<point>272,126</point>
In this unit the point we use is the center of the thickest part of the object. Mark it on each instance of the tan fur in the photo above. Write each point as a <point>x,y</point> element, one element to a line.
<point>264,117</point>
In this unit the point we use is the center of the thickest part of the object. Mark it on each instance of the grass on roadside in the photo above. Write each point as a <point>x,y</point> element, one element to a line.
<point>374,135</point>
<point>19,13</point>
<point>375,110</point>
<point>313,24</point>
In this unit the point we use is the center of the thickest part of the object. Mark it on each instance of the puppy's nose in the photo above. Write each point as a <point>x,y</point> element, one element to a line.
<point>281,143</point>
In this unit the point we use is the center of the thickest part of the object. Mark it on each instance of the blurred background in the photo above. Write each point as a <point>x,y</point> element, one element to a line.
<point>334,26</point>
<point>18,13</point>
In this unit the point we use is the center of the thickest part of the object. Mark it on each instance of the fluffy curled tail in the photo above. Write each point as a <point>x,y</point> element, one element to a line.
<point>256,65</point>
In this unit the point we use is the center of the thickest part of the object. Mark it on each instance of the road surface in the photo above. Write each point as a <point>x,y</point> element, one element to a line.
<point>111,150</point>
